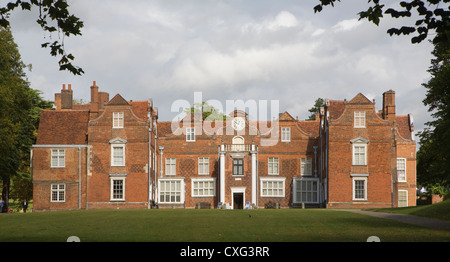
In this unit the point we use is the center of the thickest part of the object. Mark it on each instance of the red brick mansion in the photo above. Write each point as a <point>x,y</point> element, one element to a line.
<point>114,153</point>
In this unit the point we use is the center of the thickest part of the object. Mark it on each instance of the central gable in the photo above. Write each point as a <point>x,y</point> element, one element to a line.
<point>360,99</point>
<point>285,117</point>
<point>118,100</point>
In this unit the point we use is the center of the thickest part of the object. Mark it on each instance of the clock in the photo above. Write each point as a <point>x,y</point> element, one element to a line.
<point>238,123</point>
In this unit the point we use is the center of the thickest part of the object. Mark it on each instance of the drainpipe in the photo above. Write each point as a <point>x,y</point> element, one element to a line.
<point>257,176</point>
<point>155,162</point>
<point>161,148</point>
<point>79,177</point>
<point>149,160</point>
<point>315,161</point>
<point>327,145</point>
<point>315,170</point>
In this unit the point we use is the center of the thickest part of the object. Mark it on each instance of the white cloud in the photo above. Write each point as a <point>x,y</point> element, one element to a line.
<point>346,25</point>
<point>283,19</point>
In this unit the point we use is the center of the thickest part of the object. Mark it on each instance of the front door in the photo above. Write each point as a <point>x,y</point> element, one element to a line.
<point>238,200</point>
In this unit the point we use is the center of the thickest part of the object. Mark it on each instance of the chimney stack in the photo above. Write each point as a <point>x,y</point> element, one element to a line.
<point>66,97</point>
<point>94,98</point>
<point>389,105</point>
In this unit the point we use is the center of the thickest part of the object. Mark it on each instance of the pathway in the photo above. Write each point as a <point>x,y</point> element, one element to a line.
<point>410,219</point>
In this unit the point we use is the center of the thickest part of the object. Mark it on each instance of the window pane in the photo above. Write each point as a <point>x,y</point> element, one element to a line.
<point>360,119</point>
<point>401,169</point>
<point>170,191</point>
<point>306,191</point>
<point>118,155</point>
<point>117,119</point>
<point>359,189</point>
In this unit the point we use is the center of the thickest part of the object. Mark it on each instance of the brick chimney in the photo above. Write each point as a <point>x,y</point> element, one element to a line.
<point>103,99</point>
<point>389,105</point>
<point>94,98</point>
<point>58,101</point>
<point>66,97</point>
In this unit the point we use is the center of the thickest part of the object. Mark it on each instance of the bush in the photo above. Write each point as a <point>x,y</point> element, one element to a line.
<point>438,189</point>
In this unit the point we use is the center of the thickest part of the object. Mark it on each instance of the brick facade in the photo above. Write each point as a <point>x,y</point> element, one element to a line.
<point>114,153</point>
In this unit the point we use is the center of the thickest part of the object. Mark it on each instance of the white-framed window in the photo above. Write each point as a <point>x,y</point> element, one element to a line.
<point>203,187</point>
<point>117,119</point>
<point>273,166</point>
<point>272,187</point>
<point>359,119</point>
<point>238,167</point>
<point>359,188</point>
<point>58,193</point>
<point>117,154</point>
<point>171,166</point>
<point>117,188</point>
<point>401,169</point>
<point>285,134</point>
<point>402,198</point>
<point>171,190</point>
<point>359,154</point>
<point>203,165</point>
<point>306,166</point>
<point>58,158</point>
<point>306,190</point>
<point>190,134</point>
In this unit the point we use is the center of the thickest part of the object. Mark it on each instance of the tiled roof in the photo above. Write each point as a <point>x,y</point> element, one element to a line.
<point>164,128</point>
<point>403,127</point>
<point>335,108</point>
<point>310,127</point>
<point>63,127</point>
<point>140,108</point>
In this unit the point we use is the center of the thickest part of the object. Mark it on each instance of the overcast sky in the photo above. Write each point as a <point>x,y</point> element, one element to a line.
<point>229,50</point>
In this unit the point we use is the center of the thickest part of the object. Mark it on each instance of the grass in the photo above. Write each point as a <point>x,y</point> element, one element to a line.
<point>186,225</point>
<point>439,210</point>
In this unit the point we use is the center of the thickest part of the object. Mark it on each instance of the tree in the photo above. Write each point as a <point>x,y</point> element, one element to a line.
<point>208,111</point>
<point>19,113</point>
<point>433,156</point>
<point>433,18</point>
<point>54,16</point>
<point>316,108</point>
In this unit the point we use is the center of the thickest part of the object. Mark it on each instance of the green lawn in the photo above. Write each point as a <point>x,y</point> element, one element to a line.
<point>187,225</point>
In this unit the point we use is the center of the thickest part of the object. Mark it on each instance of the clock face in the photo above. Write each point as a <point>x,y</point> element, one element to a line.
<point>238,123</point>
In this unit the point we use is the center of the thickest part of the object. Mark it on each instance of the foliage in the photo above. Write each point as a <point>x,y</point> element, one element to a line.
<point>438,189</point>
<point>433,16</point>
<point>433,156</point>
<point>20,109</point>
<point>208,111</point>
<point>316,108</point>
<point>22,187</point>
<point>54,16</point>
